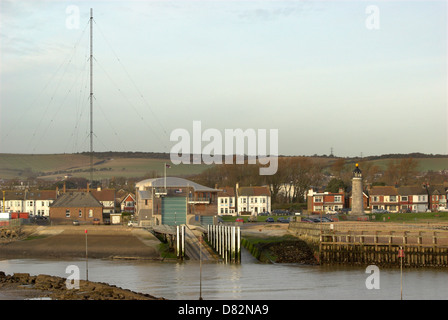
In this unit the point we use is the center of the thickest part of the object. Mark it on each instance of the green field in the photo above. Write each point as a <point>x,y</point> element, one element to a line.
<point>56,166</point>
<point>130,165</point>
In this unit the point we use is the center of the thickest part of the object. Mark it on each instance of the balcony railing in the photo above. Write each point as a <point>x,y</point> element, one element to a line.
<point>199,200</point>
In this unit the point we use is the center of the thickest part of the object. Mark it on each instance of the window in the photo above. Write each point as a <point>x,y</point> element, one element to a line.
<point>318,199</point>
<point>67,213</point>
<point>337,198</point>
<point>393,198</point>
<point>90,213</point>
<point>80,213</point>
<point>404,198</point>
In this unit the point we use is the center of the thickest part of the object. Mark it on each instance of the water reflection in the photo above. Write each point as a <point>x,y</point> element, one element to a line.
<point>249,280</point>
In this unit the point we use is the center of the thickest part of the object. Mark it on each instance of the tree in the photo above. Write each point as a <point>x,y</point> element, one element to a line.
<point>334,185</point>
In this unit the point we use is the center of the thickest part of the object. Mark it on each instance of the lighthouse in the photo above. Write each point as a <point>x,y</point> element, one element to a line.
<point>357,200</point>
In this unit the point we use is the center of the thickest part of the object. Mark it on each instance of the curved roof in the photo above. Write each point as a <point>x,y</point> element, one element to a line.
<point>173,182</point>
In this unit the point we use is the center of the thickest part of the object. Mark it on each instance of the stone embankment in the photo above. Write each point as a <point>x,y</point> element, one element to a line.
<point>25,286</point>
<point>275,244</point>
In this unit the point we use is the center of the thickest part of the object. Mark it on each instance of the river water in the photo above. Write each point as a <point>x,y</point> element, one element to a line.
<point>249,280</point>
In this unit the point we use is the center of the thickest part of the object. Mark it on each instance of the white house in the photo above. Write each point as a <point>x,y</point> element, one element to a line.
<point>226,201</point>
<point>253,199</point>
<point>35,202</point>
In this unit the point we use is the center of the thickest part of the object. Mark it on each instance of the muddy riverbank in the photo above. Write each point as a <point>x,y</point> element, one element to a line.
<point>102,242</point>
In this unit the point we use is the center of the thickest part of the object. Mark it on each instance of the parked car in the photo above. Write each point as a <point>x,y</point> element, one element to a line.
<point>239,220</point>
<point>283,220</point>
<point>75,222</point>
<point>270,219</point>
<point>96,221</point>
<point>379,211</point>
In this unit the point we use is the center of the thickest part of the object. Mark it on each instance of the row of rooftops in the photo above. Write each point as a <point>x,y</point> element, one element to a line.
<point>174,182</point>
<point>397,190</point>
<point>408,190</point>
<point>100,195</point>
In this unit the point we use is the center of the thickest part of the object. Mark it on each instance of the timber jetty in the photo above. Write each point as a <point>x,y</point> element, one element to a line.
<point>382,244</point>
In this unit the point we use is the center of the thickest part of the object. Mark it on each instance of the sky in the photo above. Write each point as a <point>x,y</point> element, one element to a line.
<point>330,76</point>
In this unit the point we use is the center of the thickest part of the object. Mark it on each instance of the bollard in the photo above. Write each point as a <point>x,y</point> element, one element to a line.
<point>177,242</point>
<point>183,242</point>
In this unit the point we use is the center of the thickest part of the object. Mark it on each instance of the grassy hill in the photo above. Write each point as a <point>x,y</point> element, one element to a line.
<point>139,164</point>
<point>56,166</point>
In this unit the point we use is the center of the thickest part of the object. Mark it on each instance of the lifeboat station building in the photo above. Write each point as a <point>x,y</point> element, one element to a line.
<point>175,201</point>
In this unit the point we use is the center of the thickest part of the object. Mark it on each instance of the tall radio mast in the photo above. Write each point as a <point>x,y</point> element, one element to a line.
<point>91,96</point>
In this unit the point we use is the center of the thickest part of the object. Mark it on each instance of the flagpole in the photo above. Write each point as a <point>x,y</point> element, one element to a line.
<point>165,176</point>
<point>87,260</point>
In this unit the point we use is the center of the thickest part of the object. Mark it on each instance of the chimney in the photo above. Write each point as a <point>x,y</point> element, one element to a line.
<point>88,185</point>
<point>63,190</point>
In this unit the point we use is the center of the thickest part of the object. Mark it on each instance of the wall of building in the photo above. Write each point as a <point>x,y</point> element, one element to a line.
<point>59,214</point>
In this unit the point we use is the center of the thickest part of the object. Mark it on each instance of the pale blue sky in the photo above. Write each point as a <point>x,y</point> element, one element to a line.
<point>311,69</point>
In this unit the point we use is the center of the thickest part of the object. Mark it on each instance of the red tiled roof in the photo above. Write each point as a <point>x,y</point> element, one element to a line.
<point>254,191</point>
<point>383,190</point>
<point>226,192</point>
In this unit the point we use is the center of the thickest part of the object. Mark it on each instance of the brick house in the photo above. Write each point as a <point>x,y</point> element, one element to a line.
<point>325,201</point>
<point>437,197</point>
<point>81,206</point>
<point>399,199</point>
<point>384,197</point>
<point>127,203</point>
<point>413,199</point>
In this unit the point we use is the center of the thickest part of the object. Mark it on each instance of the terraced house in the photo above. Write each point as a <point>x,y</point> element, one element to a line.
<point>226,201</point>
<point>437,196</point>
<point>253,199</point>
<point>399,199</point>
<point>34,202</point>
<point>325,201</point>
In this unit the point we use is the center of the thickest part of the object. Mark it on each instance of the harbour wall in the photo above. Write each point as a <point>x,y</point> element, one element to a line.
<point>365,243</point>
